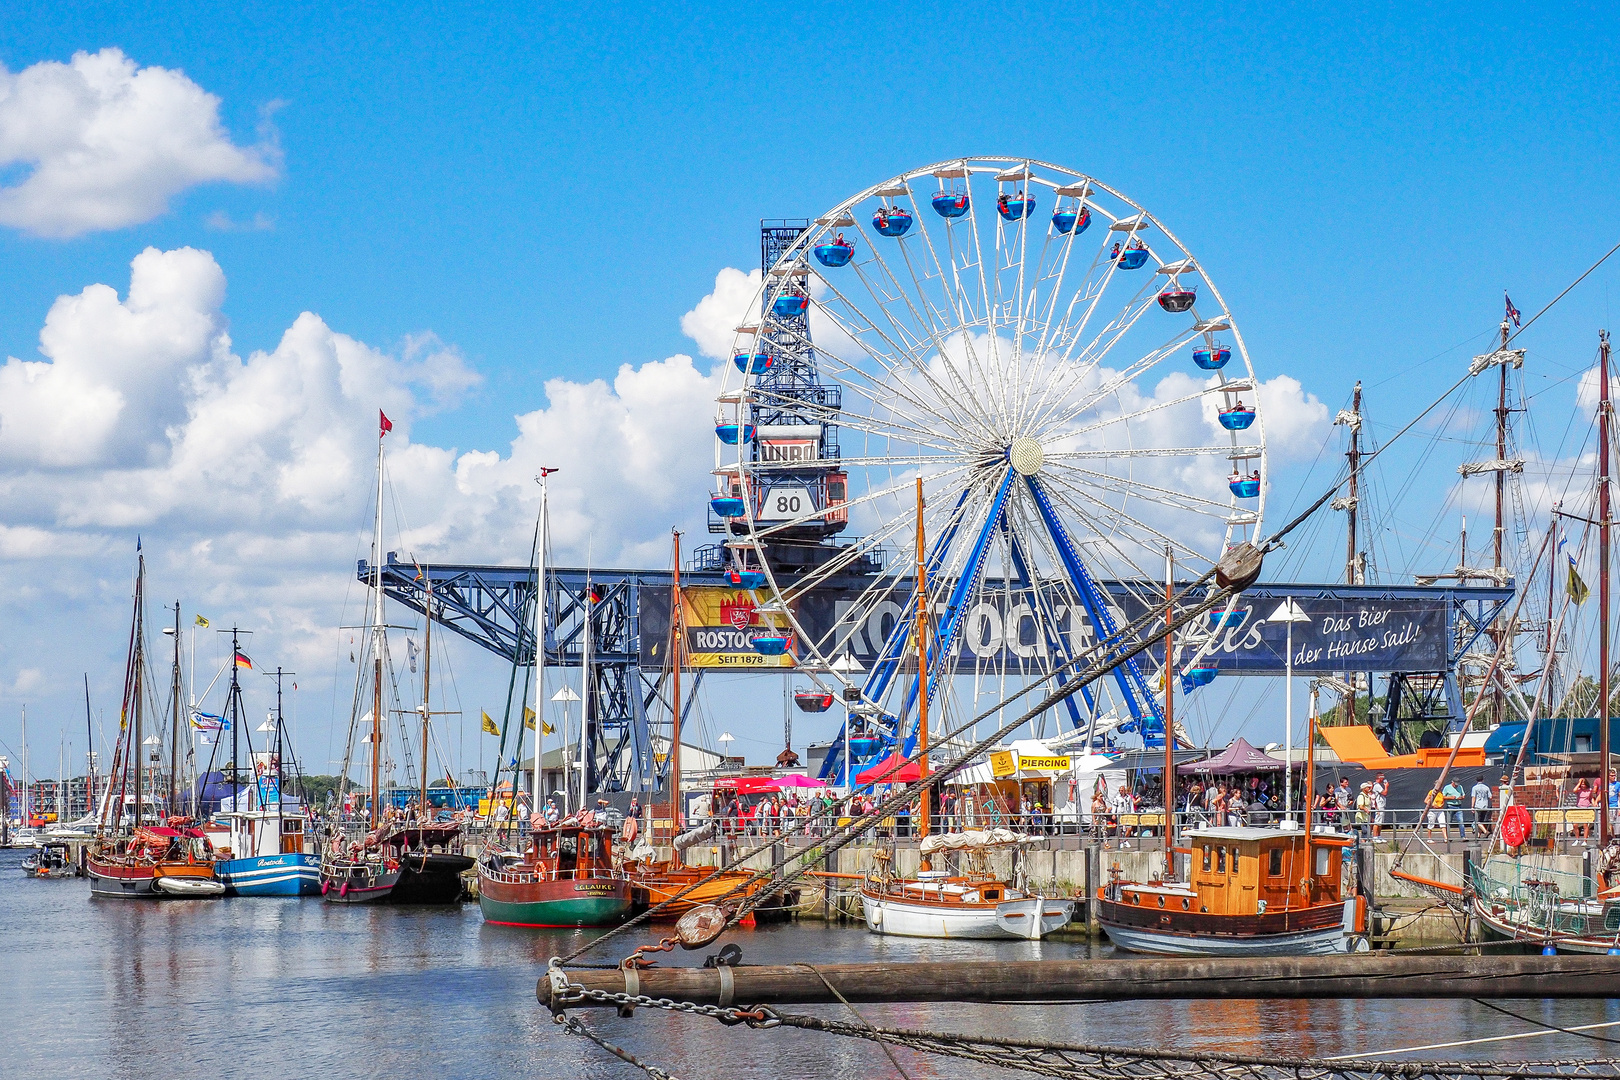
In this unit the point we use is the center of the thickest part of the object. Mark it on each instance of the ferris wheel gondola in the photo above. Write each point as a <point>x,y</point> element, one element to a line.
<point>1071,422</point>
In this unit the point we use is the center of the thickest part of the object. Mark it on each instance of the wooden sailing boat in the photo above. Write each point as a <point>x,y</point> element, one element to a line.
<point>1249,891</point>
<point>1521,898</point>
<point>664,881</point>
<point>937,904</point>
<point>565,875</point>
<point>396,861</point>
<point>156,858</point>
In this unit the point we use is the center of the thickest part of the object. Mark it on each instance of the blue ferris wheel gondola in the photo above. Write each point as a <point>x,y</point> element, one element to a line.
<point>1247,487</point>
<point>834,254</point>
<point>1237,418</point>
<point>1212,359</point>
<point>1015,207</point>
<point>863,746</point>
<point>788,305</point>
<point>757,363</point>
<point>892,221</point>
<point>730,433</point>
<point>746,579</point>
<point>1133,258</point>
<point>950,204</point>
<point>1198,676</point>
<point>1226,618</point>
<point>728,506</point>
<point>770,645</point>
<point>1075,221</point>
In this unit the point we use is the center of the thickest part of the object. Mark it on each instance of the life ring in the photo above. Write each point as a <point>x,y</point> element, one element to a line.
<point>1516,825</point>
<point>630,830</point>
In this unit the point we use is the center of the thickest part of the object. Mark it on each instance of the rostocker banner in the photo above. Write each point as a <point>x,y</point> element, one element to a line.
<point>1000,631</point>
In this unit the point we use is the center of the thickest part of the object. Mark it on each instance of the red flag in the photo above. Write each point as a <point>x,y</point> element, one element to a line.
<point>386,425</point>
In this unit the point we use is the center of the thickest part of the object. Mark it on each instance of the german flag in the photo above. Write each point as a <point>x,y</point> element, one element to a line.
<point>242,661</point>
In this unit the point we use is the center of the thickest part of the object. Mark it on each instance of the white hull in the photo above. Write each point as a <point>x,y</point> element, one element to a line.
<point>1034,917</point>
<point>1308,943</point>
<point>1010,919</point>
<point>1533,936</point>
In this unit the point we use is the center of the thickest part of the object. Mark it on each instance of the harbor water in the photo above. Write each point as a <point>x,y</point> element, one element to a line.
<point>288,987</point>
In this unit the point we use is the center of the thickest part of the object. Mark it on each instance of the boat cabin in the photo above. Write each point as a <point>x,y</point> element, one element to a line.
<point>1249,871</point>
<point>571,849</point>
<point>255,833</point>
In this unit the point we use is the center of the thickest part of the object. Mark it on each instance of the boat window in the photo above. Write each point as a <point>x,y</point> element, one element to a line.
<point>1322,856</point>
<point>1275,868</point>
<point>1220,860</point>
<point>1206,858</point>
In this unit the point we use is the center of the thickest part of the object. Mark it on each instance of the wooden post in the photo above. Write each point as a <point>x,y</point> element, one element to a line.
<point>1379,975</point>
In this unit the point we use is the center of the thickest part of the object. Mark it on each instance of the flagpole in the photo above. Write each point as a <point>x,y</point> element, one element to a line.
<point>1603,588</point>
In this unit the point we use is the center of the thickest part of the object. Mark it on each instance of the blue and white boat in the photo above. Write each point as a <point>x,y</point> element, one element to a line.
<point>267,856</point>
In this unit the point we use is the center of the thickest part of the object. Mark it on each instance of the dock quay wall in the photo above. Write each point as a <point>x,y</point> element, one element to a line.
<point>1404,913</point>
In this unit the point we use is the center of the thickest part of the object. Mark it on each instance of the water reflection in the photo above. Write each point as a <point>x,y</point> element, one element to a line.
<point>292,987</point>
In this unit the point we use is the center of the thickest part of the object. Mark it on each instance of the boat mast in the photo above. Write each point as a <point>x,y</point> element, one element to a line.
<point>137,749</point>
<point>585,693</point>
<point>922,672</point>
<point>540,599</point>
<point>378,634</point>
<point>280,778</point>
<point>1169,714</point>
<point>1497,629</point>
<point>90,754</point>
<point>1354,573</point>
<point>1603,589</point>
<point>677,635</point>
<point>235,717</point>
<point>23,816</point>
<point>174,719</point>
<point>427,700</point>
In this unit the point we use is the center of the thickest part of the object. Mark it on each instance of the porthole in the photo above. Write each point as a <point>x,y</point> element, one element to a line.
<point>1161,901</point>
<point>1186,905</point>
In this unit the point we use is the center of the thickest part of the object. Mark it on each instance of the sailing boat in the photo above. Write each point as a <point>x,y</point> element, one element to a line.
<point>171,857</point>
<point>664,881</point>
<point>1520,898</point>
<point>267,856</point>
<point>935,903</point>
<point>397,861</point>
<point>566,875</point>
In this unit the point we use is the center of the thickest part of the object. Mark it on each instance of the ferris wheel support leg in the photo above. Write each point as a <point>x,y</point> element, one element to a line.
<point>883,672</point>
<point>1144,709</point>
<point>944,643</point>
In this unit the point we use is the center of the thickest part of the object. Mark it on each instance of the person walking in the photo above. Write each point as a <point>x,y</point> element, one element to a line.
<point>1584,801</point>
<point>1364,808</point>
<point>1454,801</point>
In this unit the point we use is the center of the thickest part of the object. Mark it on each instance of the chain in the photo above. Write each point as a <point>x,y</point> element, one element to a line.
<point>574,1027</point>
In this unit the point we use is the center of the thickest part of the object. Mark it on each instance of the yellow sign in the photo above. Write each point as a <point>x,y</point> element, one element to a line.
<point>1050,764</point>
<point>721,625</point>
<point>1003,763</point>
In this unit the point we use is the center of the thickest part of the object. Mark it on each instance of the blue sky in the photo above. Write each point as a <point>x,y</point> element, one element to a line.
<point>547,193</point>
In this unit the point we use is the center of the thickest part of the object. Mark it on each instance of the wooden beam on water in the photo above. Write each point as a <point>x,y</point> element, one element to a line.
<point>1364,975</point>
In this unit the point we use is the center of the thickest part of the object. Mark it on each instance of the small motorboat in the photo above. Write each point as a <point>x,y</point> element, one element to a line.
<point>1034,917</point>
<point>50,860</point>
<point>190,887</point>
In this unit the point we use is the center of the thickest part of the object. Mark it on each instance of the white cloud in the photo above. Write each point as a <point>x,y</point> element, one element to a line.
<point>713,322</point>
<point>107,144</point>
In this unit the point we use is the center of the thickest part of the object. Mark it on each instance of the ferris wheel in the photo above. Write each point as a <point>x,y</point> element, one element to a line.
<point>1065,378</point>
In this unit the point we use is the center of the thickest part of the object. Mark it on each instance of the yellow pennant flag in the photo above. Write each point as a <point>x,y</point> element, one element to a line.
<point>528,722</point>
<point>489,725</point>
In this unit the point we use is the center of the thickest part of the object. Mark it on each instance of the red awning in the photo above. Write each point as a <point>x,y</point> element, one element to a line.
<point>890,771</point>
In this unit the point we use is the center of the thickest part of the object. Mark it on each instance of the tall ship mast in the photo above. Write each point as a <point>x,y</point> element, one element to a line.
<point>394,860</point>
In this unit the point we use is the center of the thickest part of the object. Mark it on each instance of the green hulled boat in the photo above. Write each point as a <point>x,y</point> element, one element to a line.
<point>565,877</point>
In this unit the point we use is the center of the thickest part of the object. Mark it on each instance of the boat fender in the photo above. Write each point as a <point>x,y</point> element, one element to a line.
<point>324,886</point>
<point>343,890</point>
<point>630,830</point>
<point>393,864</point>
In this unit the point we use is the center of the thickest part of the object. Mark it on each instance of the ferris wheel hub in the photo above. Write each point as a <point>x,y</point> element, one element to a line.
<point>1026,456</point>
